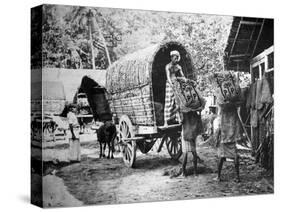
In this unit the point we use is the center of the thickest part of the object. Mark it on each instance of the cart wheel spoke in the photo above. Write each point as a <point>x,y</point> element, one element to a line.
<point>127,154</point>
<point>173,146</point>
<point>168,142</point>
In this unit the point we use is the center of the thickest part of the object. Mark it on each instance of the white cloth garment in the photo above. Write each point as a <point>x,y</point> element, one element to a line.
<point>72,119</point>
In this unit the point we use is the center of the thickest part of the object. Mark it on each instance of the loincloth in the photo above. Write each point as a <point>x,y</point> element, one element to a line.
<point>170,109</point>
<point>188,145</point>
<point>227,150</point>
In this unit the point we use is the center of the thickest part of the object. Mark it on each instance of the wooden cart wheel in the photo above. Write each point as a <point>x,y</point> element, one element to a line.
<point>129,147</point>
<point>173,143</point>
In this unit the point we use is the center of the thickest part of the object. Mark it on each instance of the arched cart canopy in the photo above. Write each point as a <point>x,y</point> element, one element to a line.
<point>136,69</point>
<point>136,82</point>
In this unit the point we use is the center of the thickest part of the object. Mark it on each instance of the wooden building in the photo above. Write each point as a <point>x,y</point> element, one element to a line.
<point>250,48</point>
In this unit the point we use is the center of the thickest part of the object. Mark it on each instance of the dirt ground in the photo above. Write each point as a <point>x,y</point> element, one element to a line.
<point>108,181</point>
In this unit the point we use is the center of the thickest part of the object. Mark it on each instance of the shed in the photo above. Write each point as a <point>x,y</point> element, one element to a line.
<point>250,48</point>
<point>50,93</point>
<point>248,37</point>
<point>60,85</point>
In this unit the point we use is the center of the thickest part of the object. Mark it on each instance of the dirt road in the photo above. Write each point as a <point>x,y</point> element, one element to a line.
<point>108,181</point>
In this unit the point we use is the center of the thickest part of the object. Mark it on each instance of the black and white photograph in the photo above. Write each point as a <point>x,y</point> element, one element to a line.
<point>131,105</point>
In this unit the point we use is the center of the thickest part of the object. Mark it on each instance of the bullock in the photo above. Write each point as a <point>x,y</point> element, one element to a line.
<point>106,135</point>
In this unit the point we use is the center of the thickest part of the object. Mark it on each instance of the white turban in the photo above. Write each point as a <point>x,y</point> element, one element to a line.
<point>175,52</point>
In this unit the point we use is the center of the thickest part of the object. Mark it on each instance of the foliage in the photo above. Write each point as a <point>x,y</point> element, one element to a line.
<point>66,36</point>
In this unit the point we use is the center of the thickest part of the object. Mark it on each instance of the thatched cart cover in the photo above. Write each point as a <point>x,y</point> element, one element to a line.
<point>96,98</point>
<point>136,83</point>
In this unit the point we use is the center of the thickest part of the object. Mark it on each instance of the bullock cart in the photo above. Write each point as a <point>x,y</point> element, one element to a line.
<point>136,94</point>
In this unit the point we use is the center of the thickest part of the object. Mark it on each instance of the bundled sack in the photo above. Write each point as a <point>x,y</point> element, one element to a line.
<point>227,89</point>
<point>188,98</point>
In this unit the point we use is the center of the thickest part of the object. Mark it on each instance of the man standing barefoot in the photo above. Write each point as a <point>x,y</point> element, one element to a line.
<point>228,133</point>
<point>191,128</point>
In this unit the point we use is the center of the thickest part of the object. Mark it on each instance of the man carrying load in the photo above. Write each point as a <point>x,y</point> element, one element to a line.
<point>183,102</point>
<point>229,130</point>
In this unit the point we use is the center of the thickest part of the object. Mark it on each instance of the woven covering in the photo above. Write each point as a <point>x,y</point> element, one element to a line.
<point>136,83</point>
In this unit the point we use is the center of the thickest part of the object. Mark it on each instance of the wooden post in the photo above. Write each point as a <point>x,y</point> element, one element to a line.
<point>92,48</point>
<point>252,130</point>
<point>103,40</point>
<point>265,62</point>
<point>258,38</point>
<point>90,16</point>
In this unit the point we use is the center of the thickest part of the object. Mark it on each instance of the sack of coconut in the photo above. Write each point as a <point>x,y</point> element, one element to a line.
<point>188,97</point>
<point>227,90</point>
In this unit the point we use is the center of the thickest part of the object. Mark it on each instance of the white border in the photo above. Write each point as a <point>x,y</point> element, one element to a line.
<point>15,106</point>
